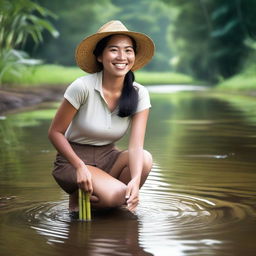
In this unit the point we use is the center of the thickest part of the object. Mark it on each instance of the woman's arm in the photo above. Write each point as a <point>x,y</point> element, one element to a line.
<point>135,149</point>
<point>56,134</point>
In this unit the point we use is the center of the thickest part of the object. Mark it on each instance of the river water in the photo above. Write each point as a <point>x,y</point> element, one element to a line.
<point>198,200</point>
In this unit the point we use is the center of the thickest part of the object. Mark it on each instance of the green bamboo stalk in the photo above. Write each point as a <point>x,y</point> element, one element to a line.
<point>88,206</point>
<point>80,201</point>
<point>84,207</point>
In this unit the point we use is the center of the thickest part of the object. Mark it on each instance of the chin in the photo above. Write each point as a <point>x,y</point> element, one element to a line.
<point>120,73</point>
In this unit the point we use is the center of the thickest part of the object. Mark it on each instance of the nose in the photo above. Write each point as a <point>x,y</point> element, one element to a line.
<point>121,55</point>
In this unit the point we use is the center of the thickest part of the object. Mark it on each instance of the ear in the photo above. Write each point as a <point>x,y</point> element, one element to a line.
<point>99,59</point>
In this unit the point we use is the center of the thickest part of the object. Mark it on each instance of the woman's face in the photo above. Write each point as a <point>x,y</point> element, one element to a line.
<point>118,56</point>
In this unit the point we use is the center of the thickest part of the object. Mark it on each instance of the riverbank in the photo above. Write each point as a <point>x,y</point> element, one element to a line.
<point>244,82</point>
<point>17,98</point>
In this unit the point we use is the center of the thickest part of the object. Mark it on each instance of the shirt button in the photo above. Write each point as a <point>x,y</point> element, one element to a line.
<point>109,121</point>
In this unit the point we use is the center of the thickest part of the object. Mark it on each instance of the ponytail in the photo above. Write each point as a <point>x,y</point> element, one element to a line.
<point>128,101</point>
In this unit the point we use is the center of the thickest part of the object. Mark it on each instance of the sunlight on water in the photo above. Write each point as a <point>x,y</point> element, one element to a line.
<point>175,88</point>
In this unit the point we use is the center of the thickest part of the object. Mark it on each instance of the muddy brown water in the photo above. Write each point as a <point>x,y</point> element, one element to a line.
<point>198,200</point>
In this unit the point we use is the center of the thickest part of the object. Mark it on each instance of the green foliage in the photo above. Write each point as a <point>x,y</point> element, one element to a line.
<point>36,76</point>
<point>12,63</point>
<point>210,37</point>
<point>244,81</point>
<point>19,20</point>
<point>76,20</point>
<point>80,18</point>
<point>152,18</point>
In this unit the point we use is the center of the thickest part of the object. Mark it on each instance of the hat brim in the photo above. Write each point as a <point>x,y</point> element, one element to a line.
<point>86,60</point>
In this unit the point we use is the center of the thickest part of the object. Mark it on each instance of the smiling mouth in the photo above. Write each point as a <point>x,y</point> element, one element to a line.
<point>120,65</point>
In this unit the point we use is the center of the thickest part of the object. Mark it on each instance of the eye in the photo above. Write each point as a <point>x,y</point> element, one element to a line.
<point>129,50</point>
<point>113,49</point>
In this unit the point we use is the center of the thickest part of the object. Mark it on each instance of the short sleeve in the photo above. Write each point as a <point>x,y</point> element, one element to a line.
<point>144,99</point>
<point>76,93</point>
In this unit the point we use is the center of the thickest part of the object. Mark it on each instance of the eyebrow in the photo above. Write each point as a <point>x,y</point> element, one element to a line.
<point>129,46</point>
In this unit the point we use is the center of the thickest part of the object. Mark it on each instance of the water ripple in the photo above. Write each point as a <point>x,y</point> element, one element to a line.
<point>170,214</point>
<point>167,213</point>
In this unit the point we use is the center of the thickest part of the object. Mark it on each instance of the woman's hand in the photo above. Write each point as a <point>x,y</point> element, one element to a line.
<point>132,194</point>
<point>84,178</point>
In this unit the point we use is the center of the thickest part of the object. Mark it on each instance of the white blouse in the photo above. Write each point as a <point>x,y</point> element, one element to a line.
<point>93,123</point>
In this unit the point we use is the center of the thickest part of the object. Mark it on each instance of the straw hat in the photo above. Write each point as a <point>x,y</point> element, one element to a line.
<point>86,60</point>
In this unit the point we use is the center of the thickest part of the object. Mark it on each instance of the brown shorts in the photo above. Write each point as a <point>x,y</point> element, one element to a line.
<point>102,157</point>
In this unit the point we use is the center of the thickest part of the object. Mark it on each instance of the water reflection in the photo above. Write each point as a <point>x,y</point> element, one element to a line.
<point>198,200</point>
<point>93,238</point>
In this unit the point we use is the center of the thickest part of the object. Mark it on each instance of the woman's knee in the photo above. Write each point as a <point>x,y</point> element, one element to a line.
<point>148,162</point>
<point>121,169</point>
<point>114,197</point>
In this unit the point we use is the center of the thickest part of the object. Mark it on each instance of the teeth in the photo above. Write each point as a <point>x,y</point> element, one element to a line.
<point>120,65</point>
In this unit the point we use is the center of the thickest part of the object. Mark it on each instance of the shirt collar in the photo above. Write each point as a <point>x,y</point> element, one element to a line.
<point>98,87</point>
<point>98,82</point>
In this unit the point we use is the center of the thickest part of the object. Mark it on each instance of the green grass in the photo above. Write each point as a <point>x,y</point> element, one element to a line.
<point>244,81</point>
<point>45,75</point>
<point>49,75</point>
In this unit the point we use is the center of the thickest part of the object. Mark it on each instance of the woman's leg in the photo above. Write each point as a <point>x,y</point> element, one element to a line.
<point>73,202</point>
<point>107,191</point>
<point>120,169</point>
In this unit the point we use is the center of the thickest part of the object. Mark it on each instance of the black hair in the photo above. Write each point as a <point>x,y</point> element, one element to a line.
<point>129,97</point>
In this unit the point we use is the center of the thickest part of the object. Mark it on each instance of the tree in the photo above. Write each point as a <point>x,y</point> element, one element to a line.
<point>76,20</point>
<point>210,36</point>
<point>80,18</point>
<point>152,18</point>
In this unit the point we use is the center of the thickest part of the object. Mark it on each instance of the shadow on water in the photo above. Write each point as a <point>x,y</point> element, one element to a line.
<point>198,200</point>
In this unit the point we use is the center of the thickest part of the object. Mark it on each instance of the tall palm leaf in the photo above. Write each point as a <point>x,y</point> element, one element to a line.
<point>19,20</point>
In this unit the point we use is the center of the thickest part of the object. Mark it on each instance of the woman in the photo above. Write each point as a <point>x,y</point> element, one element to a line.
<point>96,111</point>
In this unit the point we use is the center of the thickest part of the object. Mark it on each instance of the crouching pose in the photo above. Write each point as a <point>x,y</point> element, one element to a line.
<point>96,111</point>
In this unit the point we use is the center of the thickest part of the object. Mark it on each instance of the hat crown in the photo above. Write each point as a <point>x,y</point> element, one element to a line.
<point>112,26</point>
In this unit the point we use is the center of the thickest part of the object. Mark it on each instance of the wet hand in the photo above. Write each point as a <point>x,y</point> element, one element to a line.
<point>132,195</point>
<point>84,179</point>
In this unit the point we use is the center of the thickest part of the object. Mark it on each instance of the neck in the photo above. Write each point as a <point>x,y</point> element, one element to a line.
<point>113,83</point>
